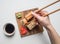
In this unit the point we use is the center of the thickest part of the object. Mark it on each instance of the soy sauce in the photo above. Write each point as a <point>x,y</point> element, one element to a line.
<point>9,28</point>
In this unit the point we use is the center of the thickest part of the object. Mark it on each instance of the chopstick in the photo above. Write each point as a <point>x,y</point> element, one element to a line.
<point>48,6</point>
<point>52,12</point>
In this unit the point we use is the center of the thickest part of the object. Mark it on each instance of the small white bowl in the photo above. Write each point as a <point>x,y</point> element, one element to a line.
<point>8,34</point>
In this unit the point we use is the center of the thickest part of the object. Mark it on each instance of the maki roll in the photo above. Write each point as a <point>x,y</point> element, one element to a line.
<point>29,16</point>
<point>31,25</point>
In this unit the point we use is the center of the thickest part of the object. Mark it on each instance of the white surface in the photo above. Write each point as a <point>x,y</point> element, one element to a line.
<point>7,14</point>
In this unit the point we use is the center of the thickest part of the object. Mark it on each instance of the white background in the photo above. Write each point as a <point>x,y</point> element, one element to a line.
<point>8,8</point>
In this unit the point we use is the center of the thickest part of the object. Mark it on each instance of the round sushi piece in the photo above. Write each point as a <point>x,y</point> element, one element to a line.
<point>24,21</point>
<point>19,15</point>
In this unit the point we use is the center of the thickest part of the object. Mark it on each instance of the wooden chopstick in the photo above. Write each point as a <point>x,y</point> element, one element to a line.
<point>46,6</point>
<point>37,11</point>
<point>50,4</point>
<point>52,12</point>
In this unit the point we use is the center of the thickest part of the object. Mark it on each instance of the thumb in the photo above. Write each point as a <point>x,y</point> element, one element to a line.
<point>36,15</point>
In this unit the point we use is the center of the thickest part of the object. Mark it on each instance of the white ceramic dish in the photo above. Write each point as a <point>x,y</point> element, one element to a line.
<point>8,34</point>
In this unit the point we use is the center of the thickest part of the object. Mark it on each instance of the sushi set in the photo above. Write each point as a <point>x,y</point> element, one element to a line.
<point>27,23</point>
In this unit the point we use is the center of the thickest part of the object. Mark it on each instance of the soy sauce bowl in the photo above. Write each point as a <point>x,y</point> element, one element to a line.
<point>9,29</point>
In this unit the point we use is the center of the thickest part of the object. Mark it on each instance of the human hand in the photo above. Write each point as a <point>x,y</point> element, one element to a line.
<point>44,21</point>
<point>54,37</point>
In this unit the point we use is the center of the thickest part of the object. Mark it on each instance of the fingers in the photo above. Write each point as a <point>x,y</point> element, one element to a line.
<point>43,13</point>
<point>36,15</point>
<point>40,16</point>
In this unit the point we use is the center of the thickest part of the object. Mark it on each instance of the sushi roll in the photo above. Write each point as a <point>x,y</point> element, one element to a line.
<point>29,16</point>
<point>31,25</point>
<point>24,21</point>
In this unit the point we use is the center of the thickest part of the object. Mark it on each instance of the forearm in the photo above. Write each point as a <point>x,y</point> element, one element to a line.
<point>54,37</point>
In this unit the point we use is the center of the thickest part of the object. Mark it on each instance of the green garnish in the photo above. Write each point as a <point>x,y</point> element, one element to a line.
<point>19,15</point>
